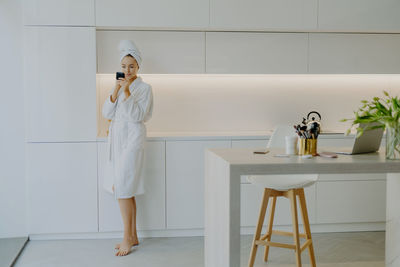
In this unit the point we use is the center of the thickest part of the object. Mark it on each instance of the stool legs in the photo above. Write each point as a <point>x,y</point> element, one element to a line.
<point>261,218</point>
<point>306,224</point>
<point>265,240</point>
<point>270,224</point>
<point>296,237</point>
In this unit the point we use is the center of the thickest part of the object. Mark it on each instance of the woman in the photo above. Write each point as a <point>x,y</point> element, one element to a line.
<point>129,105</point>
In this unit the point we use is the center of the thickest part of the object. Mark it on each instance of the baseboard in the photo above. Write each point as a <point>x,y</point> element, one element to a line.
<point>315,228</point>
<point>326,228</point>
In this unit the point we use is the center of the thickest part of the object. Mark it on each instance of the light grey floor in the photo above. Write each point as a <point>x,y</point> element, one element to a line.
<point>364,249</point>
<point>9,249</point>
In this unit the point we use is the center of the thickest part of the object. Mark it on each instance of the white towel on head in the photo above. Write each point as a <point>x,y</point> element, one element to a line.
<point>127,47</point>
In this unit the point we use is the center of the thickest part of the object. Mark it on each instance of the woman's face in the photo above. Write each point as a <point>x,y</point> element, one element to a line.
<point>129,66</point>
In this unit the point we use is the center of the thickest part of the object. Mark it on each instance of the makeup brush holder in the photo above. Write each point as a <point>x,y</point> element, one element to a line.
<point>308,146</point>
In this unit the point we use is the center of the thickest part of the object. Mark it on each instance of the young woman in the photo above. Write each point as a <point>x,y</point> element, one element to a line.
<point>129,105</point>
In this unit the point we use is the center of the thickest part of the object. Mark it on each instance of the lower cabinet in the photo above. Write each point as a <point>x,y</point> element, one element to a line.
<point>62,187</point>
<point>66,195</point>
<point>185,182</point>
<point>351,201</point>
<point>150,205</point>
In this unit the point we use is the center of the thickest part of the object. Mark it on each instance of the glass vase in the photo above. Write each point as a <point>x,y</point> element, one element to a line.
<point>393,142</point>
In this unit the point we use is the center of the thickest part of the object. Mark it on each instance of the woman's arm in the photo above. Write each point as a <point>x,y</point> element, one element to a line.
<point>110,104</point>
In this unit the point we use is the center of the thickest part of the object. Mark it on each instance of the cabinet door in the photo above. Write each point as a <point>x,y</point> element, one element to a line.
<point>150,206</point>
<point>359,15</point>
<point>256,53</point>
<point>163,52</point>
<point>60,70</point>
<point>351,201</point>
<point>62,180</point>
<point>60,12</point>
<point>266,14</point>
<point>185,182</point>
<point>152,13</point>
<point>354,53</point>
<point>254,143</point>
<point>250,203</point>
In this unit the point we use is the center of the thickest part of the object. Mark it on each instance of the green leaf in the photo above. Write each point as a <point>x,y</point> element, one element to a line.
<point>360,131</point>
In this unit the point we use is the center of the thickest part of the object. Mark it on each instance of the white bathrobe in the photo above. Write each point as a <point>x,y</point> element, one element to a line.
<point>126,139</point>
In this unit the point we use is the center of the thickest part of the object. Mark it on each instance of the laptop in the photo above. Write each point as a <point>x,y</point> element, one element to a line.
<point>368,142</point>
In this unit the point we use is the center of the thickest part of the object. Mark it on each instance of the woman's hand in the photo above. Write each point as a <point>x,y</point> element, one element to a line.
<point>121,83</point>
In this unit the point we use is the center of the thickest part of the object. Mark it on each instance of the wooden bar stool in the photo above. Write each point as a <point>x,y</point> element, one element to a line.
<point>288,186</point>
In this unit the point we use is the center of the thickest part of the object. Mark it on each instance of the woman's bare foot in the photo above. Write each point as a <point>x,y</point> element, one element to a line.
<point>125,247</point>
<point>134,244</point>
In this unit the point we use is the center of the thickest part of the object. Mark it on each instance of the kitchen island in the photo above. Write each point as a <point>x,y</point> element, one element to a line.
<point>225,166</point>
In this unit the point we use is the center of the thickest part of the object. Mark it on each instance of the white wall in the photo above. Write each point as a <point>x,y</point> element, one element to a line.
<point>12,146</point>
<point>240,103</point>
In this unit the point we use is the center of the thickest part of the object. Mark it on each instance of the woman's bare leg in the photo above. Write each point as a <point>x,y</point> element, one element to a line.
<point>126,208</point>
<point>133,229</point>
<point>134,232</point>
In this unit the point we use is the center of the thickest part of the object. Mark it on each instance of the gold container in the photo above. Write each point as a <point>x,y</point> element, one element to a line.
<point>307,146</point>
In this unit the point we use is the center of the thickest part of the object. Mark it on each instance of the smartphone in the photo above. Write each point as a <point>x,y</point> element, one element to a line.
<point>119,75</point>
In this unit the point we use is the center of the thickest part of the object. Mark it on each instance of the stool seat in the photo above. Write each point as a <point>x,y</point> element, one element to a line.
<point>283,182</point>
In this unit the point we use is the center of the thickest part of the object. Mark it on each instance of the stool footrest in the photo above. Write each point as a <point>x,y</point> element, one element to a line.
<point>283,245</point>
<point>284,233</point>
<point>274,244</point>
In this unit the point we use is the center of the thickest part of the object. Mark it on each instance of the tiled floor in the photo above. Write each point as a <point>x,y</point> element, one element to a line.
<point>364,249</point>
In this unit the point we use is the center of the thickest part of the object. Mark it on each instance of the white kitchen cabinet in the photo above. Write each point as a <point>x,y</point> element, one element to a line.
<point>359,15</point>
<point>351,201</point>
<point>162,51</point>
<point>60,70</point>
<point>252,143</point>
<point>185,182</point>
<point>256,53</point>
<point>62,187</point>
<point>333,53</point>
<point>60,12</point>
<point>250,202</point>
<point>152,13</point>
<point>150,206</point>
<point>352,176</point>
<point>261,15</point>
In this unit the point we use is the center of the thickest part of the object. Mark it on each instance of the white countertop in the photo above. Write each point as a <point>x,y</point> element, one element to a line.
<point>237,135</point>
<point>244,158</point>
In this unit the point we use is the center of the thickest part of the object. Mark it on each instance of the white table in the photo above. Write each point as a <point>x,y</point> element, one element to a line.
<point>223,168</point>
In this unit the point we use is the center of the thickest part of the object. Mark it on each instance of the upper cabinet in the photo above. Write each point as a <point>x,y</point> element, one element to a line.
<point>256,53</point>
<point>162,51</point>
<point>60,87</point>
<point>60,12</point>
<point>359,15</point>
<point>265,14</point>
<point>354,53</point>
<point>152,13</point>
